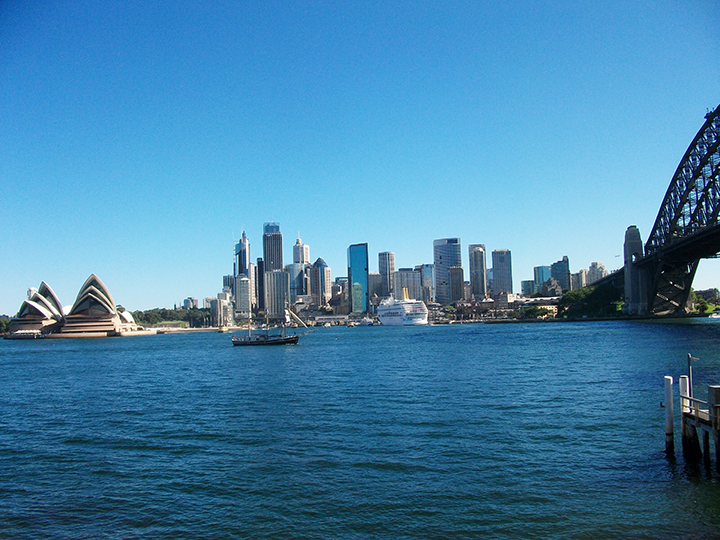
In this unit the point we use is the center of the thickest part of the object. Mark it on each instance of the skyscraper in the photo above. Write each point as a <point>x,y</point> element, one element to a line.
<point>242,256</point>
<point>260,283</point>
<point>502,271</point>
<point>410,279</point>
<point>386,267</point>
<point>561,272</point>
<point>272,247</point>
<point>456,283</point>
<point>427,271</point>
<point>478,270</point>
<point>446,253</point>
<point>357,255</point>
<point>320,282</point>
<point>296,273</point>
<point>540,275</point>
<point>301,252</point>
<point>277,290</point>
<point>595,272</point>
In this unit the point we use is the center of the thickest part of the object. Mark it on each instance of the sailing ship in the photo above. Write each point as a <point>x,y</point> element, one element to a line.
<point>267,338</point>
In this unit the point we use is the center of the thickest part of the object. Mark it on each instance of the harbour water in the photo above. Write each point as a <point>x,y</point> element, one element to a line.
<point>463,431</point>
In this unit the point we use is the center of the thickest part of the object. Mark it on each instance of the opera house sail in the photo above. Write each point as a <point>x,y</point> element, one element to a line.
<point>93,314</point>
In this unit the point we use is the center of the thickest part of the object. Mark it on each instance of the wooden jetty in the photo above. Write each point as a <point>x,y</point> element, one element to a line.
<point>696,416</point>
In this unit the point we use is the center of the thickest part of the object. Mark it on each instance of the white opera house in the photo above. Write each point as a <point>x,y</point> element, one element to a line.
<point>93,314</point>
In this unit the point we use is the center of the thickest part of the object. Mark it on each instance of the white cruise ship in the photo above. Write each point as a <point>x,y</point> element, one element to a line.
<point>405,312</point>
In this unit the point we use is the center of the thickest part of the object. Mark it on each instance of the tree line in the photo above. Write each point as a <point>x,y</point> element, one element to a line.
<point>196,318</point>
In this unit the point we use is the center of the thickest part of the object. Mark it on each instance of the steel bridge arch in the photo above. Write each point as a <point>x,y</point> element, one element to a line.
<point>686,228</point>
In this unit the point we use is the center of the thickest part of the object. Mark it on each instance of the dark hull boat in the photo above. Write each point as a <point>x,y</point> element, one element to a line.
<point>270,339</point>
<point>263,339</point>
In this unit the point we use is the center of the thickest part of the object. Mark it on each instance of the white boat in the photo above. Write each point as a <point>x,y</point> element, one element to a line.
<point>715,315</point>
<point>392,312</point>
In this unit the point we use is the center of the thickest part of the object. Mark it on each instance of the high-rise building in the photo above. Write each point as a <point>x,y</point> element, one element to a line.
<point>540,275</point>
<point>409,279</point>
<point>596,272</point>
<point>527,287</point>
<point>277,291</point>
<point>296,275</point>
<point>320,282</point>
<point>457,283</point>
<point>446,253</point>
<point>478,270</point>
<point>260,284</point>
<point>242,257</point>
<point>357,255</point>
<point>427,273</point>
<point>561,272</point>
<point>272,246</point>
<point>301,252</point>
<point>386,267</point>
<point>375,286</point>
<point>502,271</point>
<point>579,279</point>
<point>243,297</point>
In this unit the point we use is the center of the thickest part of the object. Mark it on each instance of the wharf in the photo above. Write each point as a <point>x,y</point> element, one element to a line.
<point>696,415</point>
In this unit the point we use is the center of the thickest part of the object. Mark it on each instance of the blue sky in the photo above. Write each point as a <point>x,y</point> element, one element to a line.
<point>138,139</point>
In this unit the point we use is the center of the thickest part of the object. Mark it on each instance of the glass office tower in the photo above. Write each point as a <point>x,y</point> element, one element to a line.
<point>446,252</point>
<point>357,255</point>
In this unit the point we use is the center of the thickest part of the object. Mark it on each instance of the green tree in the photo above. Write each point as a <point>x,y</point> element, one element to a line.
<point>601,301</point>
<point>535,312</point>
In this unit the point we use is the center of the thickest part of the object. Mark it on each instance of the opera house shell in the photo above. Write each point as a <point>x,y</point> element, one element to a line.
<point>92,315</point>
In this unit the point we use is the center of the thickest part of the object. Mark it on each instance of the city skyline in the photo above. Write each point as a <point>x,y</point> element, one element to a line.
<point>138,143</point>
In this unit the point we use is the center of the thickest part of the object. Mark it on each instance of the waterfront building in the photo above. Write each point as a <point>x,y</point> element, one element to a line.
<point>272,246</point>
<point>40,312</point>
<point>386,266</point>
<point>579,279</point>
<point>427,277</point>
<point>277,291</point>
<point>478,270</point>
<point>301,252</point>
<point>296,275</point>
<point>410,279</point>
<point>243,297</point>
<point>561,272</point>
<point>242,257</point>
<point>446,254</point>
<point>502,271</point>
<point>540,275</point>
<point>596,272</point>
<point>94,313</point>
<point>208,302</point>
<point>357,255</point>
<point>527,287</point>
<point>456,281</point>
<point>320,282</point>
